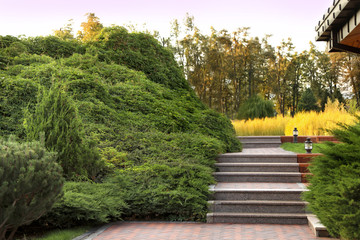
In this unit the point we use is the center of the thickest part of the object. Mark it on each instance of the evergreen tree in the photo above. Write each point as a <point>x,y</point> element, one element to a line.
<point>308,101</point>
<point>30,182</point>
<point>57,116</point>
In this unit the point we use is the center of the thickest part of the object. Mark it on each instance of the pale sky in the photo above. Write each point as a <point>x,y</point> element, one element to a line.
<point>281,18</point>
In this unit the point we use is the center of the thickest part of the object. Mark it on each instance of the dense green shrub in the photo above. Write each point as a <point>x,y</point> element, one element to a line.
<point>126,94</point>
<point>334,194</point>
<point>308,101</point>
<point>30,182</point>
<point>174,191</point>
<point>256,107</point>
<point>16,94</point>
<point>86,202</point>
<point>143,53</point>
<point>56,115</point>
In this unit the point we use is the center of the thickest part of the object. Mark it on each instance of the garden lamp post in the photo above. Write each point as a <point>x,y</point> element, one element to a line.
<point>308,145</point>
<point>295,134</point>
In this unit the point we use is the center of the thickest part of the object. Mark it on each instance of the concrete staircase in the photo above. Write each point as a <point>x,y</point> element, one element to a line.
<point>262,184</point>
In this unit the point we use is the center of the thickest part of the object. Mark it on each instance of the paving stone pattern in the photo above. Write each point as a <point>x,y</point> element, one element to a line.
<point>202,231</point>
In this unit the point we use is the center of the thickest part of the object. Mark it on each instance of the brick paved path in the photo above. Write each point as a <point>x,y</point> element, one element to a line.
<point>202,231</point>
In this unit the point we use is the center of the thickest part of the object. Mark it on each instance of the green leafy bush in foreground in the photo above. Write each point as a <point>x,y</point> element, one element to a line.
<point>30,182</point>
<point>334,194</point>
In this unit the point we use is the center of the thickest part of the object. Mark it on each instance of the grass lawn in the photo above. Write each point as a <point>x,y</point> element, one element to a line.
<point>65,234</point>
<point>300,147</point>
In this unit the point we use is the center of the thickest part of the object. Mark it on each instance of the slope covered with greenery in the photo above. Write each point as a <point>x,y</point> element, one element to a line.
<point>121,104</point>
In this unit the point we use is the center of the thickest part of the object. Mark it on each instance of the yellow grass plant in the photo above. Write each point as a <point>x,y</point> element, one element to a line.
<point>261,127</point>
<point>308,123</point>
<point>319,123</point>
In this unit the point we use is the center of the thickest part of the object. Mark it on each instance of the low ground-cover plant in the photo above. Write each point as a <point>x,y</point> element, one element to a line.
<point>334,189</point>
<point>30,183</point>
<point>63,234</point>
<point>86,202</point>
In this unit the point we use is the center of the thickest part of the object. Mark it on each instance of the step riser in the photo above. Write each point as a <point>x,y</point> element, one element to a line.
<point>276,141</point>
<point>260,145</point>
<point>252,208</point>
<point>258,169</point>
<point>278,179</point>
<point>257,220</point>
<point>280,196</point>
<point>256,160</point>
<point>259,138</point>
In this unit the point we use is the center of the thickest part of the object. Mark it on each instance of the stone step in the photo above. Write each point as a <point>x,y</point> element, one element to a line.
<point>256,206</point>
<point>317,227</point>
<point>257,218</point>
<point>256,158</point>
<point>257,167</point>
<point>260,145</point>
<point>257,194</point>
<point>280,177</point>
<point>263,139</point>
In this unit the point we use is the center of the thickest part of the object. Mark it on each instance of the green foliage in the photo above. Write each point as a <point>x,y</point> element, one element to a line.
<point>300,147</point>
<point>53,46</point>
<point>126,95</point>
<point>308,101</point>
<point>56,115</point>
<point>65,234</point>
<point>334,190</point>
<point>175,191</point>
<point>86,202</point>
<point>15,95</point>
<point>30,182</point>
<point>143,53</point>
<point>256,107</point>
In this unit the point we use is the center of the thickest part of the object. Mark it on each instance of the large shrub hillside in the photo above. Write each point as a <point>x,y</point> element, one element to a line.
<point>132,111</point>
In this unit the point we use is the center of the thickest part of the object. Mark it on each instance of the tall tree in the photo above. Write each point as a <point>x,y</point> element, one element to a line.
<point>90,29</point>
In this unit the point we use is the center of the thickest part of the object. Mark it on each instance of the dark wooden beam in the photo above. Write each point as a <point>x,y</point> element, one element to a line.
<point>341,47</point>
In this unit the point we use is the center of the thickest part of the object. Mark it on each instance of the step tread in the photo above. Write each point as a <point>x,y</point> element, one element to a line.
<point>259,137</point>
<point>257,202</point>
<point>256,215</point>
<point>256,164</point>
<point>257,173</point>
<point>257,155</point>
<point>260,190</point>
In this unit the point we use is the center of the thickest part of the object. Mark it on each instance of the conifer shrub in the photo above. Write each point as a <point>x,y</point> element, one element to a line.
<point>30,183</point>
<point>57,116</point>
<point>86,202</point>
<point>16,94</point>
<point>172,191</point>
<point>334,194</point>
<point>141,52</point>
<point>256,107</point>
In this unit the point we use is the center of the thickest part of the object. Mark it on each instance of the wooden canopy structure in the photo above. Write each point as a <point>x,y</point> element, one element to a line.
<point>340,26</point>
